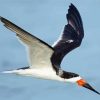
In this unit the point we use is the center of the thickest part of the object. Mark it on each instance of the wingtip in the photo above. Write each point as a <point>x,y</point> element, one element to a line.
<point>71,5</point>
<point>1,19</point>
<point>71,8</point>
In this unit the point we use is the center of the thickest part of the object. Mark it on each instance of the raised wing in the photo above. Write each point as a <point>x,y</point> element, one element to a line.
<point>71,38</point>
<point>39,51</point>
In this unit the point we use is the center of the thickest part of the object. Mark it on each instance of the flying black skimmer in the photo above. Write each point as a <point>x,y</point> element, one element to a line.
<point>45,60</point>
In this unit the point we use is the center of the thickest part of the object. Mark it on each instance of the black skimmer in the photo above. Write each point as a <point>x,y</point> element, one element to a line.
<point>45,60</point>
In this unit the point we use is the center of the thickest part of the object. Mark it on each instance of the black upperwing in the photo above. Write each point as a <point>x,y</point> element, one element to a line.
<point>71,38</point>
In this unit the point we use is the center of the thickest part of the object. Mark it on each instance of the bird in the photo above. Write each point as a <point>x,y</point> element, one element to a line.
<point>45,60</point>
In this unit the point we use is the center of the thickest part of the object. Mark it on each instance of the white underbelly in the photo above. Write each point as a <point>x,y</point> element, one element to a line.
<point>43,73</point>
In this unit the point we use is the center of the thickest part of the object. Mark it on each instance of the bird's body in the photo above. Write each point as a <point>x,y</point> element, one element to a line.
<point>43,73</point>
<point>45,60</point>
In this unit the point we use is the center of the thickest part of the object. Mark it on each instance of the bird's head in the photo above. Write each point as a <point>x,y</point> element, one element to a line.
<point>83,83</point>
<point>75,78</point>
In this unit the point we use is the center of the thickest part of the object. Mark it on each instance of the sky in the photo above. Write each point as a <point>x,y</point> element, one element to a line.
<point>46,19</point>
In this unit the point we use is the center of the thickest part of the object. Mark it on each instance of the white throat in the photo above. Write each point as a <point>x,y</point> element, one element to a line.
<point>73,80</point>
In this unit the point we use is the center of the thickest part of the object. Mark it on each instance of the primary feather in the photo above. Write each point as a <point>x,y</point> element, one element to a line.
<point>71,37</point>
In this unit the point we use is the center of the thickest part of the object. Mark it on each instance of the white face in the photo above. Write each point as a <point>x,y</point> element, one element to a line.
<point>73,80</point>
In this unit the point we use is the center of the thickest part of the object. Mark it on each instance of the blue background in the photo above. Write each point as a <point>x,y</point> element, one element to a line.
<point>46,19</point>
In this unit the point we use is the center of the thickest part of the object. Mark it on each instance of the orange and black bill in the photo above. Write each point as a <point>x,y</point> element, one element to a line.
<point>86,85</point>
<point>83,83</point>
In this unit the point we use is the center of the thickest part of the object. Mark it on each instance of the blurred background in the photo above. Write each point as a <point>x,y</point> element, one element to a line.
<point>46,19</point>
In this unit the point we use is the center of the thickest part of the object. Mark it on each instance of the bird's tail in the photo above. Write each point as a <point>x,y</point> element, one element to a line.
<point>16,71</point>
<point>10,72</point>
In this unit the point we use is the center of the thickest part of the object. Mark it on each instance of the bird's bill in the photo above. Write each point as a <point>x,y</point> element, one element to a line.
<point>90,88</point>
<point>83,83</point>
